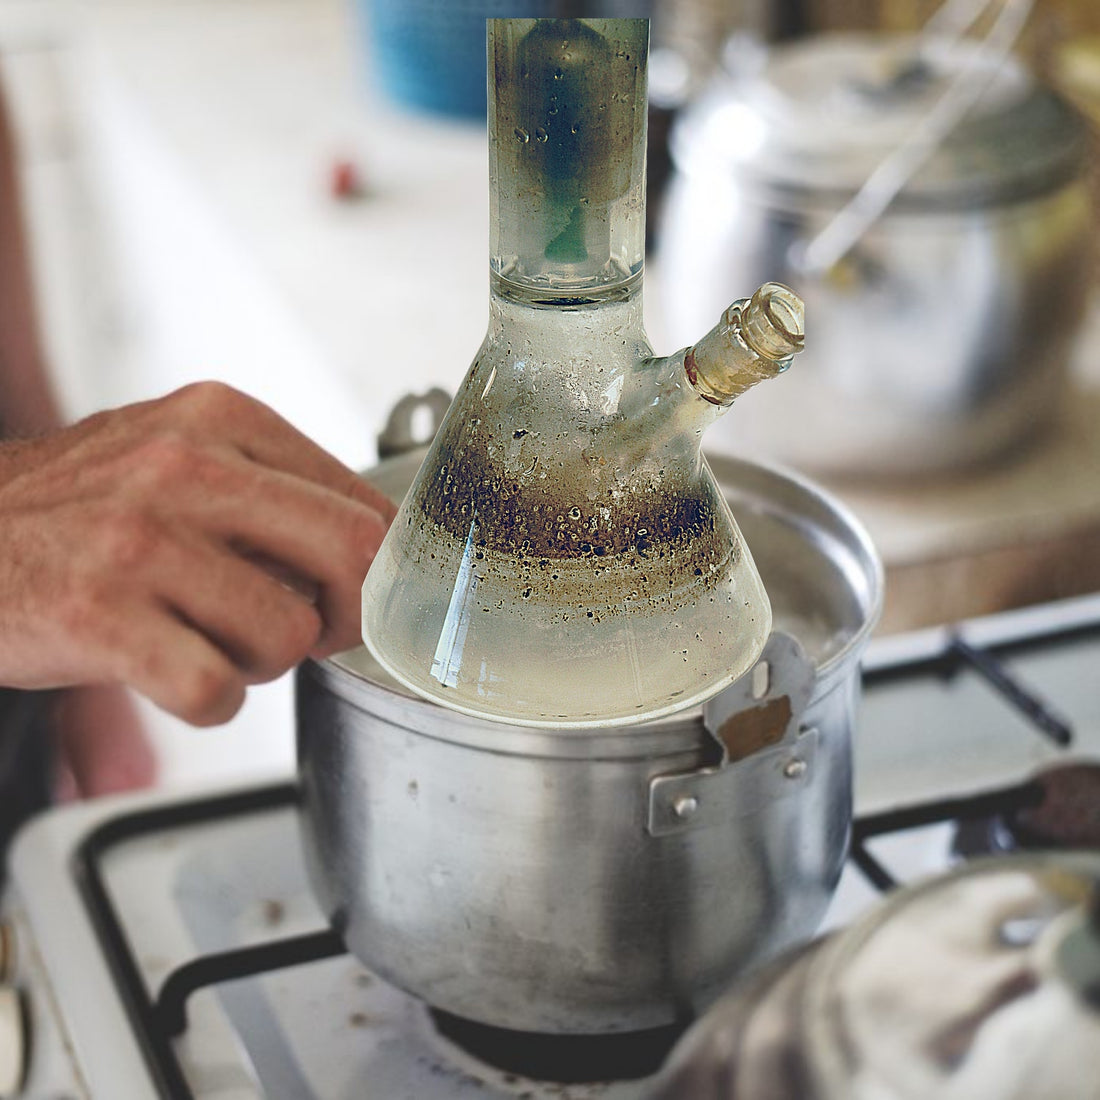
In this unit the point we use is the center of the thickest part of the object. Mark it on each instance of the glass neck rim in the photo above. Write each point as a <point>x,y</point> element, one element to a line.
<point>566,297</point>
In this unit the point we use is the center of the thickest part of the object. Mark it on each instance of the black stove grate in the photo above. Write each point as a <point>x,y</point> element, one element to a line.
<point>155,1022</point>
<point>158,1021</point>
<point>956,656</point>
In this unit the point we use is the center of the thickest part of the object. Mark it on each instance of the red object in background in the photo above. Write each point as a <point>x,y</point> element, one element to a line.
<point>345,180</point>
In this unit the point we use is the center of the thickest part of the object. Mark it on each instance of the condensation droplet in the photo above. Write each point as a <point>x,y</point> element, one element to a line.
<point>541,135</point>
<point>522,134</point>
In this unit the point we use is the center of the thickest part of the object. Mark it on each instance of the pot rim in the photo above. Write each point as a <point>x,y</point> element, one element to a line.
<point>680,732</point>
<point>863,549</point>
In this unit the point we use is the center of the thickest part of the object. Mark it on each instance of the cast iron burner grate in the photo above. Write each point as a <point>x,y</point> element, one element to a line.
<point>564,1059</point>
<point>157,1022</point>
<point>999,820</point>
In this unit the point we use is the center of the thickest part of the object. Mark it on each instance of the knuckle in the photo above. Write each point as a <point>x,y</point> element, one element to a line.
<point>124,544</point>
<point>206,694</point>
<point>210,406</point>
<point>168,459</point>
<point>298,633</point>
<point>208,397</point>
<point>170,464</point>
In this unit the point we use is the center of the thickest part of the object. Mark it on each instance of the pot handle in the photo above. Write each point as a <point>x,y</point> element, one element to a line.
<point>765,706</point>
<point>757,725</point>
<point>413,422</point>
<point>895,170</point>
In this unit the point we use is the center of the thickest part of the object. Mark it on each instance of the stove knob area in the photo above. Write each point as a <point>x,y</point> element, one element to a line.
<point>13,1042</point>
<point>7,953</point>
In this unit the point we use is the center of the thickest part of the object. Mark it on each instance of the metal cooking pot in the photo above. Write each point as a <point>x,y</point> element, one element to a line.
<point>982,983</point>
<point>944,268</point>
<point>585,881</point>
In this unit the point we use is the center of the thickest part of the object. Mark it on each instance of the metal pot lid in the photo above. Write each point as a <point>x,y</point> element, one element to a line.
<point>816,117</point>
<point>982,983</point>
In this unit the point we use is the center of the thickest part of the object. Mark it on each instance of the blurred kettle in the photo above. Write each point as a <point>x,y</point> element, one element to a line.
<point>984,982</point>
<point>927,198</point>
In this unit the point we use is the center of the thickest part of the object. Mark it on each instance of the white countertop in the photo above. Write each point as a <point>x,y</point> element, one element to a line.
<point>200,136</point>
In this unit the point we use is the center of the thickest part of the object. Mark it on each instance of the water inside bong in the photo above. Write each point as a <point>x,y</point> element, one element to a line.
<point>609,596</point>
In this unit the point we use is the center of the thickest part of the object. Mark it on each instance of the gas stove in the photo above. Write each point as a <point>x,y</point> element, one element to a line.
<point>170,947</point>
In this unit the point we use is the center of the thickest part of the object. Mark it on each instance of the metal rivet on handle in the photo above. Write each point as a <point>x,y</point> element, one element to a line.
<point>685,806</point>
<point>795,768</point>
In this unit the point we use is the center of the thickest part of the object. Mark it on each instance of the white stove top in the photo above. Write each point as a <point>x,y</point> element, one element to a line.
<point>328,1030</point>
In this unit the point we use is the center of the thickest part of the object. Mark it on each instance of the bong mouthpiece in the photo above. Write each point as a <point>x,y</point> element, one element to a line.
<point>755,339</point>
<point>773,324</point>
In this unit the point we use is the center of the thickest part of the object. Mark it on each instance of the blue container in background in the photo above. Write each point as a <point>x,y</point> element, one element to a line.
<point>429,55</point>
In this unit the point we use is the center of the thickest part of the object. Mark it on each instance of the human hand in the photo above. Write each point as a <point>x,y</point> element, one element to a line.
<point>187,547</point>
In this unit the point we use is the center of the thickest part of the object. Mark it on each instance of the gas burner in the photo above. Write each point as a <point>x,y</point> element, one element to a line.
<point>567,1059</point>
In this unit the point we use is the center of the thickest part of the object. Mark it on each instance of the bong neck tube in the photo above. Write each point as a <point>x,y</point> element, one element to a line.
<point>567,142</point>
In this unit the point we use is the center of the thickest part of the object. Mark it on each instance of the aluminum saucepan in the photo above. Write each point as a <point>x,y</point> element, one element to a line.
<point>595,881</point>
<point>945,275</point>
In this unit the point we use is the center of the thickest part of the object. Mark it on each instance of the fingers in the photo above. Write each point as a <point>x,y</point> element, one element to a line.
<point>262,625</point>
<point>324,542</point>
<point>187,546</point>
<point>185,621</point>
<point>317,536</point>
<point>314,540</point>
<point>265,437</point>
<point>176,667</point>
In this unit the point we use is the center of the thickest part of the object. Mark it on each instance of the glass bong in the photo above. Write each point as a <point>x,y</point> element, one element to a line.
<point>564,557</point>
